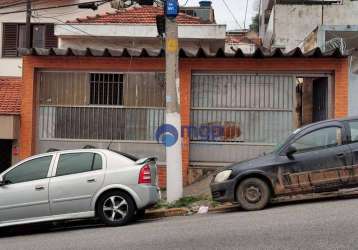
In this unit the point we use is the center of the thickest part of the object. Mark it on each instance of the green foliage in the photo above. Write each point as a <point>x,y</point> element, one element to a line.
<point>254,26</point>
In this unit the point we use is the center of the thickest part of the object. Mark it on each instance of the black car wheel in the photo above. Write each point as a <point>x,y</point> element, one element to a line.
<point>115,208</point>
<point>253,194</point>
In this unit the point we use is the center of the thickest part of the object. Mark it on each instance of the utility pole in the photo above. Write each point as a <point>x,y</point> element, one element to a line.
<point>28,24</point>
<point>172,115</point>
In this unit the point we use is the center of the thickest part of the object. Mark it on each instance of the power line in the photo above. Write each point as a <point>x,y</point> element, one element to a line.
<point>231,13</point>
<point>247,3</point>
<point>13,4</point>
<point>62,22</point>
<point>22,2</point>
<point>53,7</point>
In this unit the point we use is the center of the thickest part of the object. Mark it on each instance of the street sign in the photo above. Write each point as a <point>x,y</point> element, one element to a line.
<point>171,8</point>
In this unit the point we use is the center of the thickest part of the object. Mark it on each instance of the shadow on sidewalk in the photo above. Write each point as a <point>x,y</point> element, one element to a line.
<point>60,226</point>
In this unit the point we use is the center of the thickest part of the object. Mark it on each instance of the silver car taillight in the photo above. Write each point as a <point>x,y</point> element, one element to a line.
<point>145,176</point>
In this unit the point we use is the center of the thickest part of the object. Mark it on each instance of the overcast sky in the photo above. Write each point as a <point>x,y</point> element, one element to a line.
<point>223,16</point>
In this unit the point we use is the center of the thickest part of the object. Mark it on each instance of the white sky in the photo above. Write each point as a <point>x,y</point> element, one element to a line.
<point>237,7</point>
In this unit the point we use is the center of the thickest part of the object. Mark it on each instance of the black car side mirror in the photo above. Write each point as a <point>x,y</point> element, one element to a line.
<point>290,151</point>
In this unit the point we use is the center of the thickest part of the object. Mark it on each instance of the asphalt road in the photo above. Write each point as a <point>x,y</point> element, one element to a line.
<point>331,224</point>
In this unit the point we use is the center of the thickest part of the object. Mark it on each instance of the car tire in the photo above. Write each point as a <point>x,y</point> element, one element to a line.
<point>115,208</point>
<point>253,194</point>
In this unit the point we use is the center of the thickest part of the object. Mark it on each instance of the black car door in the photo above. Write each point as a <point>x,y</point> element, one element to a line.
<point>321,160</point>
<point>352,127</point>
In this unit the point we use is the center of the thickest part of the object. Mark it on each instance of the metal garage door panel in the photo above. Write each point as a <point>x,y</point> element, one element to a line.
<point>260,107</point>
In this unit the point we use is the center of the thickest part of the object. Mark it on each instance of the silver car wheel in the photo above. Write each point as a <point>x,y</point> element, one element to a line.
<point>115,208</point>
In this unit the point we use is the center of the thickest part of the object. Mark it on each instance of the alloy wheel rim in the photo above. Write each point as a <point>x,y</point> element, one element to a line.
<point>115,208</point>
<point>253,194</point>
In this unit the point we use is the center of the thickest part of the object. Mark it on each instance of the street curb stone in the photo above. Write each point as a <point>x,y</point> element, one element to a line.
<point>170,212</point>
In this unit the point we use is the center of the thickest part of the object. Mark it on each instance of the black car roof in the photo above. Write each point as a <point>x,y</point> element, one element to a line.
<point>331,120</point>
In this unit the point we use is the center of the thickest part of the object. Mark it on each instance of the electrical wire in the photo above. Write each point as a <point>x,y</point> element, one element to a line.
<point>53,7</point>
<point>22,2</point>
<point>231,13</point>
<point>68,24</point>
<point>186,3</point>
<point>13,4</point>
<point>247,4</point>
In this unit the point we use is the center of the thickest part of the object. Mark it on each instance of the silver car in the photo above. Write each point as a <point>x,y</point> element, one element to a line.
<point>77,184</point>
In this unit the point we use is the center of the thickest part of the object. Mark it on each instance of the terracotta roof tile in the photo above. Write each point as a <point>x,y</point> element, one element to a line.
<point>10,96</point>
<point>242,38</point>
<point>140,15</point>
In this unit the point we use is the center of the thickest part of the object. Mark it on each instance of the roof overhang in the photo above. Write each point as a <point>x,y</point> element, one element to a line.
<point>184,53</point>
<point>186,31</point>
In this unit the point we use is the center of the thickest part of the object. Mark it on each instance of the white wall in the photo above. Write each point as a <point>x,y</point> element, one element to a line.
<point>292,23</point>
<point>353,86</point>
<point>13,66</point>
<point>136,43</point>
<point>118,36</point>
<point>268,34</point>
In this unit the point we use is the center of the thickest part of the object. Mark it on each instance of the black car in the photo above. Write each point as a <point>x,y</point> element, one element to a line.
<point>320,157</point>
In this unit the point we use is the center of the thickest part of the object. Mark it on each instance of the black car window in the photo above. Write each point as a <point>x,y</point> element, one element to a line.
<point>74,163</point>
<point>321,138</point>
<point>31,170</point>
<point>353,125</point>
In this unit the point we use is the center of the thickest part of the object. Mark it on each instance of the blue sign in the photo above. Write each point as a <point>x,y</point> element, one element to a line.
<point>167,135</point>
<point>171,8</point>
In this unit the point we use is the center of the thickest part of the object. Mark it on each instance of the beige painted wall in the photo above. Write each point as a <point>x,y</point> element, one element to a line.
<point>9,126</point>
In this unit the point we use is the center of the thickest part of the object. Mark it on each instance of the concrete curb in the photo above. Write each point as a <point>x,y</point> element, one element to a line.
<point>161,213</point>
<point>224,208</point>
<point>170,212</point>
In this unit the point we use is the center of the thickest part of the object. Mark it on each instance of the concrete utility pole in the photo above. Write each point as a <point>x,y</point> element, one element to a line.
<point>172,115</point>
<point>28,24</point>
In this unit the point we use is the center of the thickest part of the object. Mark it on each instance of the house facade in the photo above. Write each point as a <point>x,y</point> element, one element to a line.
<point>101,88</point>
<point>116,98</point>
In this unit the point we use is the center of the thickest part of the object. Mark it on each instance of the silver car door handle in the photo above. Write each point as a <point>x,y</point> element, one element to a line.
<point>91,180</point>
<point>39,188</point>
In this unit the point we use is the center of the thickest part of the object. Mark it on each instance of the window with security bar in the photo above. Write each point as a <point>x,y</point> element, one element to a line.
<point>101,106</point>
<point>106,89</point>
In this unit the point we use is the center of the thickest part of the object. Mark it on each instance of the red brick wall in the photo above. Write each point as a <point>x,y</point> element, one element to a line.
<point>162,176</point>
<point>337,66</point>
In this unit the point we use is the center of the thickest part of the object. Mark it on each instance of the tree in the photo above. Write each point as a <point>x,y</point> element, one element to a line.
<point>254,26</point>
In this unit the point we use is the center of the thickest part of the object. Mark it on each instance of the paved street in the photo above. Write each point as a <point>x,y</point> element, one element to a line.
<point>325,225</point>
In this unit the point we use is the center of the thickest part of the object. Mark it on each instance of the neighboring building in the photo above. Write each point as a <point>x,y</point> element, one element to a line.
<point>344,37</point>
<point>113,97</point>
<point>308,24</point>
<point>246,40</point>
<point>10,103</point>
<point>12,28</point>
<point>286,23</point>
<point>136,28</point>
<point>204,11</point>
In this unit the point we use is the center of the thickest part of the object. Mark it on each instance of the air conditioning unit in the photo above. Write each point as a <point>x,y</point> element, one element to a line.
<point>337,42</point>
